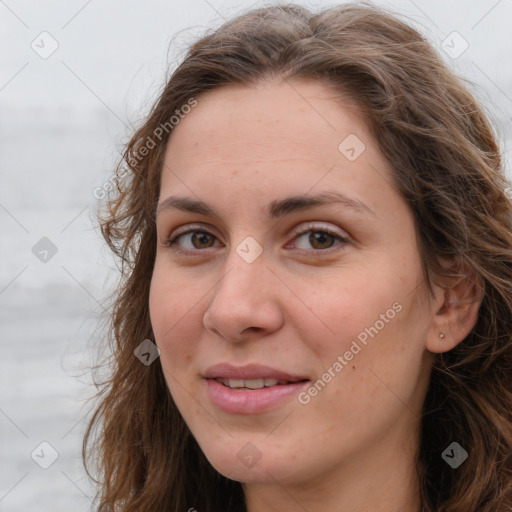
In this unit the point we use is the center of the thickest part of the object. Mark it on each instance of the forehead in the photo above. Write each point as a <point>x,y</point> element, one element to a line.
<point>271,139</point>
<point>287,117</point>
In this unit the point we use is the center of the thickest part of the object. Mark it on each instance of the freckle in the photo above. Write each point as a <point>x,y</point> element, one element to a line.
<point>353,367</point>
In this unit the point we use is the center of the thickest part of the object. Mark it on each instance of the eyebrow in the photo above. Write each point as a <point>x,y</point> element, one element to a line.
<point>275,209</point>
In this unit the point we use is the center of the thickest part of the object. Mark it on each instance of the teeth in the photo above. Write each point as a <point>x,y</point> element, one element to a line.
<point>254,383</point>
<point>234,383</point>
<point>251,383</point>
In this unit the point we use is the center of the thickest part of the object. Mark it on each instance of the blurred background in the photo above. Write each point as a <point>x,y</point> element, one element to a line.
<point>75,78</point>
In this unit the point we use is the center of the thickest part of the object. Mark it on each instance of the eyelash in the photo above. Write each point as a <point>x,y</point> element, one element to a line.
<point>309,228</point>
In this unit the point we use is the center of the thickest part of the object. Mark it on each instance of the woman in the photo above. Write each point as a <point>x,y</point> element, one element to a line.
<point>315,234</point>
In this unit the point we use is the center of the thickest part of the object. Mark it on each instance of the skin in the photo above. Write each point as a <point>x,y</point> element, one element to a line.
<point>300,304</point>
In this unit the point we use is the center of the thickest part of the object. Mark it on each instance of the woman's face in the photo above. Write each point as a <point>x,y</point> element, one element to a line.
<point>293,264</point>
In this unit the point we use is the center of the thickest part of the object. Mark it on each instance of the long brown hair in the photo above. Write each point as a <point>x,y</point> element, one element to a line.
<point>447,167</point>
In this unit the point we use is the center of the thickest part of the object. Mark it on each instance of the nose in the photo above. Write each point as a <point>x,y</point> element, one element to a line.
<point>246,302</point>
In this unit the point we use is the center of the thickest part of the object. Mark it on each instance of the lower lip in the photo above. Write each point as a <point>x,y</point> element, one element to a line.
<point>251,401</point>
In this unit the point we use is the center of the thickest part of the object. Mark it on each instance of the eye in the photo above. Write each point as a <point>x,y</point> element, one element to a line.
<point>191,240</point>
<point>320,238</point>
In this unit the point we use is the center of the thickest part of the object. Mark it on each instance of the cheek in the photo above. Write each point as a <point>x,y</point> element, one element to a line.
<point>176,323</point>
<point>175,319</point>
<point>367,316</point>
<point>343,306</point>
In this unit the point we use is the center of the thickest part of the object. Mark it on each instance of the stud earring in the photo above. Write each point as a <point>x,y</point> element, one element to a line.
<point>441,335</point>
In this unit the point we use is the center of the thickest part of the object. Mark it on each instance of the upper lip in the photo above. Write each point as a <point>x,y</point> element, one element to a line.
<point>250,371</point>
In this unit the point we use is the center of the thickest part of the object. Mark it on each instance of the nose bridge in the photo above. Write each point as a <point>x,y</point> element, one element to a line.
<point>245,263</point>
<point>244,297</point>
<point>245,273</point>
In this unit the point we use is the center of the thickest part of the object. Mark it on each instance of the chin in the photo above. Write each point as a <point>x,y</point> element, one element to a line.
<point>247,465</point>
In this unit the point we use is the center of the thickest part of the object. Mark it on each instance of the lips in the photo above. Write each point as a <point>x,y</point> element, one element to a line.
<point>251,383</point>
<point>225,372</point>
<point>250,389</point>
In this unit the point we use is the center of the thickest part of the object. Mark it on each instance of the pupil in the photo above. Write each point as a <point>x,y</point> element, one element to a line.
<point>320,238</point>
<point>202,238</point>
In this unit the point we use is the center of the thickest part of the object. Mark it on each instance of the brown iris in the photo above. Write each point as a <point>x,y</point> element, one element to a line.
<point>321,240</point>
<point>202,238</point>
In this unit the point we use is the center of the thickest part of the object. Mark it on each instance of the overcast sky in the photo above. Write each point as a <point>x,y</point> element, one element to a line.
<point>117,50</point>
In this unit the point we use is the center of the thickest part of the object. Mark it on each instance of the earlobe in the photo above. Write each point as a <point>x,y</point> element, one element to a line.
<point>455,315</point>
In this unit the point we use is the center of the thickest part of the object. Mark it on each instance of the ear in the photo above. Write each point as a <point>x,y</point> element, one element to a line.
<point>455,312</point>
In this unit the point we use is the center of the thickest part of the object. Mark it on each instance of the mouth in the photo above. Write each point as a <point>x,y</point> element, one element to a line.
<point>257,399</point>
<point>251,376</point>
<point>251,389</point>
<point>253,384</point>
